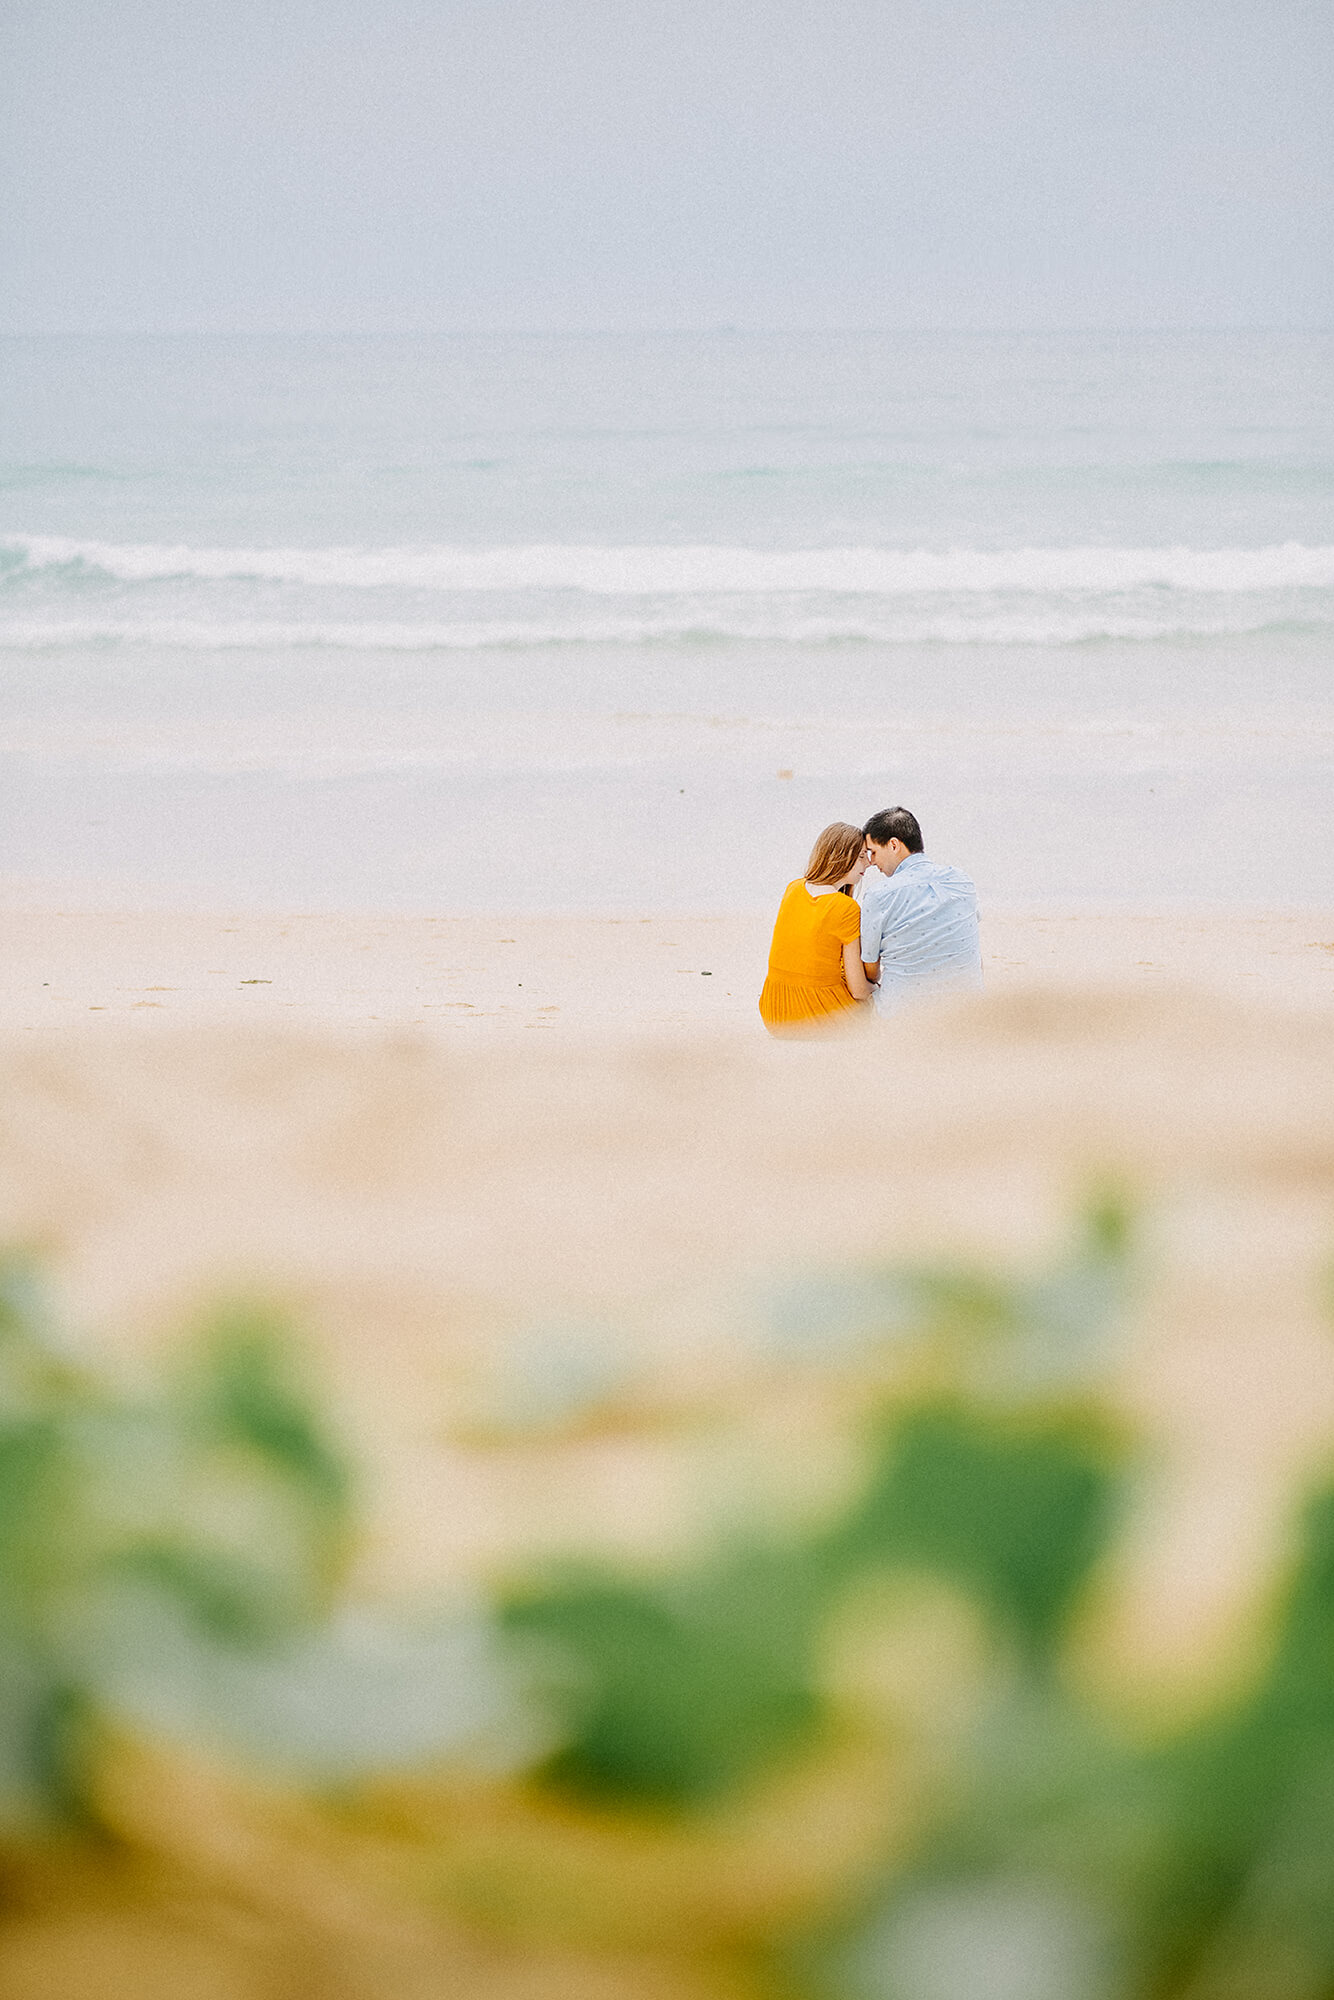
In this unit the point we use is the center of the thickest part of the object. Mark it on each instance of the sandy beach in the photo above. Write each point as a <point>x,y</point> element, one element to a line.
<point>653,975</point>
<point>450,1221</point>
<point>219,1049</point>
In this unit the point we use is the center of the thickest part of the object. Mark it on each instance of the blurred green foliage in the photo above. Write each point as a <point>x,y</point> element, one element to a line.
<point>179,1556</point>
<point>674,1695</point>
<point>216,1491</point>
<point>1203,1864</point>
<point>1015,1512</point>
<point>1061,1859</point>
<point>673,1692</point>
<point>173,1558</point>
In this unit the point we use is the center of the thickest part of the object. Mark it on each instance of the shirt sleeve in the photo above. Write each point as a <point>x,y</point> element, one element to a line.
<point>871,927</point>
<point>846,921</point>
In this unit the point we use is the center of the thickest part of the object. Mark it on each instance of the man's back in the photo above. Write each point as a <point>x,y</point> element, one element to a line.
<point>920,923</point>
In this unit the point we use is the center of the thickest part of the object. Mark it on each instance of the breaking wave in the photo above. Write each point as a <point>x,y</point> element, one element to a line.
<point>1040,629</point>
<point>654,571</point>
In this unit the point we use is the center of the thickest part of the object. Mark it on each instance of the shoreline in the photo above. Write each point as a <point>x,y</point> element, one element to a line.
<point>654,973</point>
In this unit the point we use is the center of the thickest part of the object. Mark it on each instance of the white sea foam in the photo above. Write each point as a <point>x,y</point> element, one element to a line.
<point>662,570</point>
<point>1041,628</point>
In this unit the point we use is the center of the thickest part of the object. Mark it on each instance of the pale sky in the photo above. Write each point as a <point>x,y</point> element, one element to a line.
<point>457,164</point>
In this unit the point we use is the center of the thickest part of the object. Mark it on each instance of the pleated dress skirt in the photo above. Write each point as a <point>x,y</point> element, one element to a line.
<point>790,1007</point>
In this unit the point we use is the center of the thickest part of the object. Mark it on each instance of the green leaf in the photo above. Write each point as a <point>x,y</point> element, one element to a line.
<point>673,1696</point>
<point>230,1599</point>
<point>246,1396</point>
<point>30,1469</point>
<point>1016,1512</point>
<point>28,1697</point>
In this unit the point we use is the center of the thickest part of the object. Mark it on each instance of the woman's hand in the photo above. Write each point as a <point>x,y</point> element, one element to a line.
<point>858,984</point>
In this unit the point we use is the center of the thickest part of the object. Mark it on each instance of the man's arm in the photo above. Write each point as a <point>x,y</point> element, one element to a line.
<point>871,927</point>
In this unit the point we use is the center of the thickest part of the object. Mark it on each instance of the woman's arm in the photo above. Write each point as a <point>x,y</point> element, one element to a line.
<point>858,984</point>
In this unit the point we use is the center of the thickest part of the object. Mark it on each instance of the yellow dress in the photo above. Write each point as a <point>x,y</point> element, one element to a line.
<point>806,989</point>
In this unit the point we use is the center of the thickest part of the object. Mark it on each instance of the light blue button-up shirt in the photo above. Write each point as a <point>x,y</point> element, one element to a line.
<point>921,923</point>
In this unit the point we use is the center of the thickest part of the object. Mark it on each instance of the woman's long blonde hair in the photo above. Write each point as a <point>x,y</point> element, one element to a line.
<point>834,854</point>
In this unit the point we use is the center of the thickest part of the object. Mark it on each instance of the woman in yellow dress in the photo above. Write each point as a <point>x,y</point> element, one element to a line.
<point>815,963</point>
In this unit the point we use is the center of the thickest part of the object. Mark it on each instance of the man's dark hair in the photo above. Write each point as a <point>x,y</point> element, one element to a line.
<point>894,823</point>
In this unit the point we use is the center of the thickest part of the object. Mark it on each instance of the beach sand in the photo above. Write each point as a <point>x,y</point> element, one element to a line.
<point>651,975</point>
<point>427,1207</point>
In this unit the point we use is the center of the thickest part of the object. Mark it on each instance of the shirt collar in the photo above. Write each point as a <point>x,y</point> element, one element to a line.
<point>876,884</point>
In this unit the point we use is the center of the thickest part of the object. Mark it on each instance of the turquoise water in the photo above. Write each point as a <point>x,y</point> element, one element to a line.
<point>601,621</point>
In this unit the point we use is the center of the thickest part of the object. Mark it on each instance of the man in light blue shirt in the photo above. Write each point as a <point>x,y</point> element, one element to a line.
<point>919,918</point>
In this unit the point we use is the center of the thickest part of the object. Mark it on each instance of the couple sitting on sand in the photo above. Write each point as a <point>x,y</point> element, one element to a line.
<point>913,934</point>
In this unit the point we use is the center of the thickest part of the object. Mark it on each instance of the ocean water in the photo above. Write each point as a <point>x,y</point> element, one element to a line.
<point>618,622</point>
